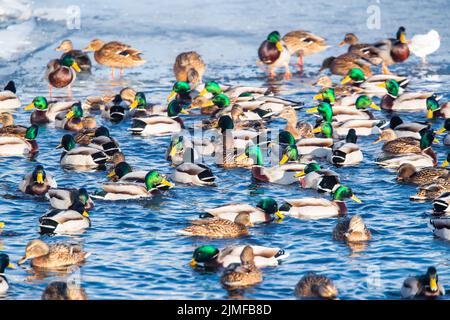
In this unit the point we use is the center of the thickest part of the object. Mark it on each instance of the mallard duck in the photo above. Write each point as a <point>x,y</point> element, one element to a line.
<point>160,125</point>
<point>58,255</point>
<point>61,73</point>
<point>243,274</point>
<point>190,172</point>
<point>115,54</point>
<point>426,158</point>
<point>441,224</point>
<point>103,141</point>
<point>281,174</point>
<point>236,93</point>
<point>401,145</point>
<point>211,257</point>
<point>181,91</point>
<point>122,172</point>
<point>154,183</point>
<point>38,182</point>
<point>314,177</point>
<point>351,230</point>
<point>340,65</point>
<point>422,45</point>
<point>116,110</point>
<point>180,143</point>
<point>59,290</point>
<point>442,203</point>
<point>11,146</point>
<point>46,111</point>
<point>273,53</point>
<point>65,198</point>
<point>436,110</point>
<point>189,67</point>
<point>346,153</point>
<point>210,106</point>
<point>408,101</point>
<point>73,220</point>
<point>219,228</point>
<point>445,127</point>
<point>81,58</point>
<point>408,173</point>
<point>71,120</point>
<point>317,208</point>
<point>407,129</point>
<point>77,157</point>
<point>371,86</point>
<point>8,97</point>
<point>303,43</point>
<point>393,50</point>
<point>364,50</point>
<point>4,263</point>
<point>431,191</point>
<point>312,285</point>
<point>139,108</point>
<point>9,128</point>
<point>292,125</point>
<point>325,83</point>
<point>265,211</point>
<point>426,285</point>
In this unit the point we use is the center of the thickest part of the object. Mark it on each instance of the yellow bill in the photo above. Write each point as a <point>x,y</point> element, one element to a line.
<point>430,114</point>
<point>11,266</point>
<point>317,130</point>
<point>346,80</point>
<point>166,183</point>
<point>299,174</point>
<point>279,214</point>
<point>355,198</point>
<point>436,141</point>
<point>76,67</point>
<point>279,46</point>
<point>374,106</point>
<point>284,159</point>
<point>203,92</point>
<point>184,111</point>
<point>30,106</point>
<point>70,114</point>
<point>208,103</point>
<point>40,178</point>
<point>85,214</point>
<point>444,164</point>
<point>433,284</point>
<point>382,85</point>
<point>440,131</point>
<point>193,263</point>
<point>402,38</point>
<point>111,174</point>
<point>134,104</point>
<point>318,96</point>
<point>2,225</point>
<point>312,110</point>
<point>173,151</point>
<point>241,157</point>
<point>171,96</point>
<point>377,141</point>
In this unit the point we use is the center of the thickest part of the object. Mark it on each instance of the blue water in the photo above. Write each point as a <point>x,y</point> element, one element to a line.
<point>135,251</point>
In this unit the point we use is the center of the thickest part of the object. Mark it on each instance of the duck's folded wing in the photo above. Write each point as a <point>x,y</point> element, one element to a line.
<point>125,188</point>
<point>308,202</point>
<point>234,207</point>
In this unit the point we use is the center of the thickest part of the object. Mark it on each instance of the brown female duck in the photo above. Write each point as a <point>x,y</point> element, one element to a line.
<point>312,285</point>
<point>81,58</point>
<point>342,64</point>
<point>189,67</point>
<point>244,274</point>
<point>9,128</point>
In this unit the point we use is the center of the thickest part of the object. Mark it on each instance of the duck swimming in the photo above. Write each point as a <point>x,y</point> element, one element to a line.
<point>4,263</point>
<point>426,285</point>
<point>314,177</point>
<point>38,182</point>
<point>11,146</point>
<point>46,111</point>
<point>408,101</point>
<point>73,220</point>
<point>312,285</point>
<point>351,230</point>
<point>79,157</point>
<point>65,198</point>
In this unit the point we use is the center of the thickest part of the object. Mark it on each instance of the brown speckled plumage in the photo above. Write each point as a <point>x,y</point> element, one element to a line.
<point>243,275</point>
<point>219,228</point>
<point>313,285</point>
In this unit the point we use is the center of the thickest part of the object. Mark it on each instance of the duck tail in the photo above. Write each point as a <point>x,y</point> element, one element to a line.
<point>338,157</point>
<point>11,86</point>
<point>206,176</point>
<point>100,158</point>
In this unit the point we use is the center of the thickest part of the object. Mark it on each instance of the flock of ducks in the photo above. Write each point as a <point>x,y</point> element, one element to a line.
<point>238,118</point>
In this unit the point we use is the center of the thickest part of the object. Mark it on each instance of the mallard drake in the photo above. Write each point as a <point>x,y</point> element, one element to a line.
<point>11,146</point>
<point>181,91</point>
<point>8,97</point>
<point>115,54</point>
<point>340,65</point>
<point>122,172</point>
<point>372,85</point>
<point>407,129</point>
<point>193,173</point>
<point>303,43</point>
<point>61,73</point>
<point>351,230</point>
<point>436,110</point>
<point>281,174</point>
<point>9,128</point>
<point>441,224</point>
<point>160,125</point>
<point>408,173</point>
<point>426,158</point>
<point>325,82</point>
<point>80,57</point>
<point>236,93</point>
<point>393,50</point>
<point>4,263</point>
<point>422,45</point>
<point>211,257</point>
<point>38,182</point>
<point>65,198</point>
<point>317,208</point>
<point>210,106</point>
<point>139,108</point>
<point>364,50</point>
<point>340,130</point>
<point>58,255</point>
<point>346,153</point>
<point>408,101</point>
<point>103,141</point>
<point>178,146</point>
<point>314,177</point>
<point>71,120</point>
<point>243,274</point>
<point>154,184</point>
<point>189,67</point>
<point>59,290</point>
<point>116,110</point>
<point>445,127</point>
<point>46,111</point>
<point>426,285</point>
<point>73,220</point>
<point>273,53</point>
<point>77,157</point>
<point>312,285</point>
<point>442,203</point>
<point>219,228</point>
<point>265,211</point>
<point>401,145</point>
